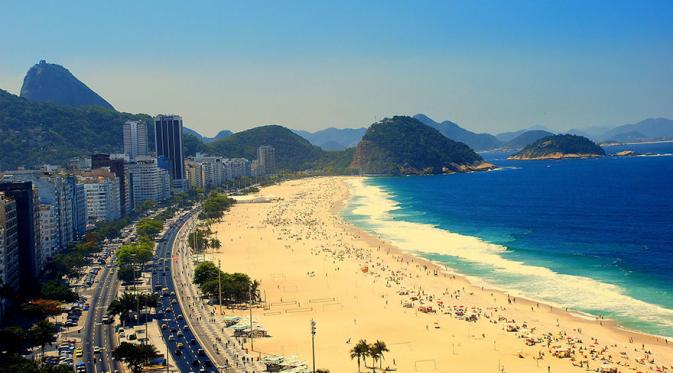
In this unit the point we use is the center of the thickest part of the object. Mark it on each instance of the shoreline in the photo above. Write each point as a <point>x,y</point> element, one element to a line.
<point>580,315</point>
<point>304,237</point>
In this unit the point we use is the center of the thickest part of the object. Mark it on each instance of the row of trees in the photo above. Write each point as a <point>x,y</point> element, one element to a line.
<point>362,350</point>
<point>236,287</point>
<point>215,205</point>
<point>129,302</point>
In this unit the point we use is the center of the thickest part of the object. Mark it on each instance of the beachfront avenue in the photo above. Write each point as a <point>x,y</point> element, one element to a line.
<point>211,340</point>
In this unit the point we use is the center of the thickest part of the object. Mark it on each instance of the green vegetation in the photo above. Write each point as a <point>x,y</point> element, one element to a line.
<point>132,257</point>
<point>376,351</point>
<point>135,356</point>
<point>558,146</point>
<point>293,152</point>
<point>129,302</point>
<point>149,227</point>
<point>43,333</point>
<point>33,133</point>
<point>236,287</point>
<point>215,205</point>
<point>403,145</point>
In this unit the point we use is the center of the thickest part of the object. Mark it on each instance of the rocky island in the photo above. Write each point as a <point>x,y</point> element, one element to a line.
<point>559,147</point>
<point>404,146</point>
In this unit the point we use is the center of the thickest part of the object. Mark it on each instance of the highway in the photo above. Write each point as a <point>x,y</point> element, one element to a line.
<point>188,358</point>
<point>97,334</point>
<point>224,350</point>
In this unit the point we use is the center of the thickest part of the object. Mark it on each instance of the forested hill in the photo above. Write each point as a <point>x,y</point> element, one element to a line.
<point>403,145</point>
<point>33,133</point>
<point>560,146</point>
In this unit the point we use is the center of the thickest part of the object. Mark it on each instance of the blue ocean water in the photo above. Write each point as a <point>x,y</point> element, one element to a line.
<point>595,235</point>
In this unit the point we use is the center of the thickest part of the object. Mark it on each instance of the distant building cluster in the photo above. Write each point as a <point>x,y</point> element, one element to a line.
<point>44,210</point>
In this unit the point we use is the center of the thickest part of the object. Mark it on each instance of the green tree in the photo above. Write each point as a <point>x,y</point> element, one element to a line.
<point>135,356</point>
<point>149,227</point>
<point>43,333</point>
<point>360,351</point>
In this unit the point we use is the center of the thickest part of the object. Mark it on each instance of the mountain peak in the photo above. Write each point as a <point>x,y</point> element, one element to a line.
<point>47,82</point>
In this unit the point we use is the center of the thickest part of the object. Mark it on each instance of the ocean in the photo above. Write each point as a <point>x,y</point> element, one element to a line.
<point>593,235</point>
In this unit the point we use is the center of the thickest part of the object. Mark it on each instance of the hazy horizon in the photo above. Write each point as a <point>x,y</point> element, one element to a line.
<point>488,66</point>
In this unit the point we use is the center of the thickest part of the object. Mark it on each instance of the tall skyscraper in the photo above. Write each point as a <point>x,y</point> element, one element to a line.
<point>135,138</point>
<point>9,242</point>
<point>168,142</point>
<point>266,156</point>
<point>28,223</point>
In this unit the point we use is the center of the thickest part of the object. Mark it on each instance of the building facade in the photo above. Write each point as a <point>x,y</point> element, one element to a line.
<point>49,243</point>
<point>168,144</point>
<point>147,181</point>
<point>9,242</point>
<point>102,197</point>
<point>266,157</point>
<point>135,138</point>
<point>28,222</point>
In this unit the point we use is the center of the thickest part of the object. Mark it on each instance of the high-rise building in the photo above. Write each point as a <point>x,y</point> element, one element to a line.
<point>116,164</point>
<point>9,242</point>
<point>101,188</point>
<point>9,249</point>
<point>147,181</point>
<point>49,244</point>
<point>168,143</point>
<point>195,172</point>
<point>266,156</point>
<point>28,222</point>
<point>135,138</point>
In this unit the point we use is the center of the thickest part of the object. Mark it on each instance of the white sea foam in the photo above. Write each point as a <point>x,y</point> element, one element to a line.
<point>518,278</point>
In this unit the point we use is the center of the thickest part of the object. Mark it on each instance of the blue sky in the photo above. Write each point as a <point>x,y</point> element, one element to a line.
<point>487,65</point>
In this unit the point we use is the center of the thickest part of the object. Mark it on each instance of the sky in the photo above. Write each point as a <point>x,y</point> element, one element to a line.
<point>490,66</point>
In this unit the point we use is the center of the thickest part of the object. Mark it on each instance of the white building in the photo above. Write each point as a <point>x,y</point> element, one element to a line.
<point>135,138</point>
<point>49,233</point>
<point>266,157</point>
<point>102,198</point>
<point>147,181</point>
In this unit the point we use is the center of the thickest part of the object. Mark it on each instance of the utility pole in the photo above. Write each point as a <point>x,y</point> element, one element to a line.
<point>219,283</point>
<point>313,324</point>
<point>252,331</point>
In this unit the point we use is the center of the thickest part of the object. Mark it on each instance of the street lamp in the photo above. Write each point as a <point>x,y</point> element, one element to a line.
<point>313,324</point>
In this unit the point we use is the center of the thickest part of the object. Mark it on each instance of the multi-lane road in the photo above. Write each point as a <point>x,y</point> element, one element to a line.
<point>98,340</point>
<point>190,357</point>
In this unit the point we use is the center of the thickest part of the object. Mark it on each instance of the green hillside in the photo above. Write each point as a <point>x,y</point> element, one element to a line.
<point>33,133</point>
<point>403,145</point>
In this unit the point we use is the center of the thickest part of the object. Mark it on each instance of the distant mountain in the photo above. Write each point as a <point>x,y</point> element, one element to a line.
<point>476,141</point>
<point>525,138</point>
<point>403,145</point>
<point>46,82</point>
<point>34,133</point>
<point>560,146</point>
<point>293,152</point>
<point>333,138</point>
<point>220,135</point>
<point>509,136</point>
<point>594,132</point>
<point>651,129</point>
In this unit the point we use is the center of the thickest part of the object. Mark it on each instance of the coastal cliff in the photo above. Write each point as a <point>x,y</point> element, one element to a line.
<point>404,146</point>
<point>559,147</point>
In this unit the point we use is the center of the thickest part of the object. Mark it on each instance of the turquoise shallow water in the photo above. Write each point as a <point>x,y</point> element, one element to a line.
<point>593,235</point>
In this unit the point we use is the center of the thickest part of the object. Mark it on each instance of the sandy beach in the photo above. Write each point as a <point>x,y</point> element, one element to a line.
<point>313,265</point>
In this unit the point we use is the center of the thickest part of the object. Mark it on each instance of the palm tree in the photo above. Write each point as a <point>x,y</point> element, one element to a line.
<point>377,350</point>
<point>42,333</point>
<point>360,351</point>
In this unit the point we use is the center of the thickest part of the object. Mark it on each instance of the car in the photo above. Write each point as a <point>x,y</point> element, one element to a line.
<point>168,310</point>
<point>179,334</point>
<point>174,301</point>
<point>97,350</point>
<point>201,352</point>
<point>171,337</point>
<point>186,327</point>
<point>164,326</point>
<point>178,352</point>
<point>180,345</point>
<point>180,317</point>
<point>192,341</point>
